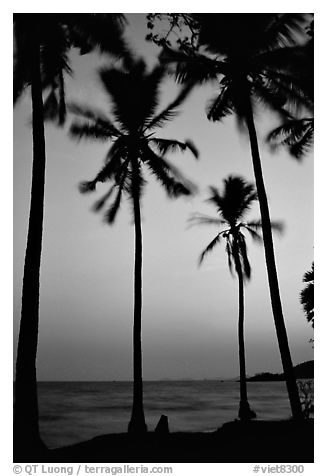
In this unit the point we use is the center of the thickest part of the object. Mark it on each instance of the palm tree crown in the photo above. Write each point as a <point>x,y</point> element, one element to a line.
<point>232,205</point>
<point>134,94</point>
<point>55,34</point>
<point>296,132</point>
<point>267,60</point>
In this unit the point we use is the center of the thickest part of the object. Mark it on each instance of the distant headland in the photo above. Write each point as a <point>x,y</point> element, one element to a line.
<point>303,370</point>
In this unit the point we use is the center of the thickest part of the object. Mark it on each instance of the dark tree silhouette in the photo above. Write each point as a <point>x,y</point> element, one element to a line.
<point>232,205</point>
<point>307,295</point>
<point>296,131</point>
<point>252,57</point>
<point>134,94</point>
<point>42,42</point>
<point>295,134</point>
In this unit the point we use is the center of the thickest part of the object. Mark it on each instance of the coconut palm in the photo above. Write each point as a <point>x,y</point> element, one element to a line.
<point>42,42</point>
<point>134,94</point>
<point>296,131</point>
<point>307,295</point>
<point>254,59</point>
<point>232,205</point>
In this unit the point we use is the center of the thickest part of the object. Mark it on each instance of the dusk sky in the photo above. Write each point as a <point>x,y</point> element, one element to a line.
<point>189,313</point>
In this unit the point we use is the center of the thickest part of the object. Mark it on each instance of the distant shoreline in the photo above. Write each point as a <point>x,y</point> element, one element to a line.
<point>303,370</point>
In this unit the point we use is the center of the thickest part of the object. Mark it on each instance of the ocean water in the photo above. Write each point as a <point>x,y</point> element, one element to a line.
<point>71,412</point>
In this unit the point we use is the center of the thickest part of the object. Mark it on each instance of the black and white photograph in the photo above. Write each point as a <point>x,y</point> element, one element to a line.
<point>163,239</point>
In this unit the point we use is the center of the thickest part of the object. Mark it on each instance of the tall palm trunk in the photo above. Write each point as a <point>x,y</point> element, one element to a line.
<point>244,412</point>
<point>137,423</point>
<point>271,268</point>
<point>26,426</point>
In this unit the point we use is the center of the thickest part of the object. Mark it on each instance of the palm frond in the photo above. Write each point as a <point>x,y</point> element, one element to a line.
<point>190,68</point>
<point>303,146</point>
<point>246,268</point>
<point>111,213</point>
<point>134,93</point>
<point>200,219</point>
<point>87,186</point>
<point>282,30</point>
<point>99,204</point>
<point>166,145</point>
<point>221,105</point>
<point>95,116</point>
<point>85,130</point>
<point>236,198</point>
<point>171,110</point>
<point>21,80</point>
<point>230,258</point>
<point>254,234</point>
<point>50,106</point>
<point>209,248</point>
<point>102,31</point>
<point>113,168</point>
<point>289,70</point>
<point>292,94</point>
<point>277,226</point>
<point>54,105</point>
<point>191,146</point>
<point>295,134</point>
<point>272,97</point>
<point>167,174</point>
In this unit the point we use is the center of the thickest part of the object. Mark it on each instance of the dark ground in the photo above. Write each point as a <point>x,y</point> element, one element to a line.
<point>235,442</point>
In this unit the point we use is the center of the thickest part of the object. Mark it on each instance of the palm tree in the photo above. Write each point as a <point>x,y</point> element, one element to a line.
<point>134,94</point>
<point>297,129</point>
<point>232,205</point>
<point>42,42</point>
<point>252,57</point>
<point>307,295</point>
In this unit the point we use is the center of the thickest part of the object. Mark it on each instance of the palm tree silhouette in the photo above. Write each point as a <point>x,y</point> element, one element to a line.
<point>297,129</point>
<point>42,43</point>
<point>307,295</point>
<point>134,94</point>
<point>232,205</point>
<point>252,57</point>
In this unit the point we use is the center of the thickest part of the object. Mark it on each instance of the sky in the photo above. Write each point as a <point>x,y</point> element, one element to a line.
<point>189,313</point>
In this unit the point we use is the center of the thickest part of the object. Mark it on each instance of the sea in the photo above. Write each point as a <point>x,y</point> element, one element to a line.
<point>71,412</point>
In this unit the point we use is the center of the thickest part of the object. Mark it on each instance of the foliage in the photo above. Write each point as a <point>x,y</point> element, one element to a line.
<point>268,61</point>
<point>55,34</point>
<point>306,391</point>
<point>180,29</point>
<point>231,206</point>
<point>134,95</point>
<point>307,295</point>
<point>296,131</point>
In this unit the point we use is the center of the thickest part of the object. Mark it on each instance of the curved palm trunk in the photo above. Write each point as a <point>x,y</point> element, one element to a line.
<point>271,268</point>
<point>245,412</point>
<point>26,427</point>
<point>137,423</point>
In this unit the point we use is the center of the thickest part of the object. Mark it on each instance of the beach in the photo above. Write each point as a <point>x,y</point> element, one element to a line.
<point>262,441</point>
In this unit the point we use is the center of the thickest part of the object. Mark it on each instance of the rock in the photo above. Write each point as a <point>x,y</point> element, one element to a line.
<point>162,426</point>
